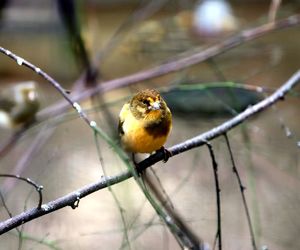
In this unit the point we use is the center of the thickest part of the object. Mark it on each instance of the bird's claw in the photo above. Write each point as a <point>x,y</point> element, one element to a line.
<point>167,154</point>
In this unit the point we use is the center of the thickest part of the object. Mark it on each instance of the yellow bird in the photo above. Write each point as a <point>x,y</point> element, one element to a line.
<point>145,123</point>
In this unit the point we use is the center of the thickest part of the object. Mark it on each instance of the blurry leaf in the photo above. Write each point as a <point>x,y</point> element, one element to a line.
<point>211,99</point>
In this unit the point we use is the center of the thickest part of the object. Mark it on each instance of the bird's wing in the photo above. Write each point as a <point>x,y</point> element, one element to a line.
<point>123,114</point>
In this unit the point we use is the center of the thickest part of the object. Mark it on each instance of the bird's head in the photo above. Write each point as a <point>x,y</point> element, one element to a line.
<point>148,105</point>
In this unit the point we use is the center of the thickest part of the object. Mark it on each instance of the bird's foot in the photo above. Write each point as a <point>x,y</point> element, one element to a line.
<point>167,153</point>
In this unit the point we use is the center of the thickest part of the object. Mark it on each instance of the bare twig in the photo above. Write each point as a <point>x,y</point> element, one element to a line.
<point>19,231</point>
<point>186,237</point>
<point>166,202</point>
<point>242,189</point>
<point>69,199</point>
<point>118,203</point>
<point>5,206</point>
<point>37,187</point>
<point>218,198</point>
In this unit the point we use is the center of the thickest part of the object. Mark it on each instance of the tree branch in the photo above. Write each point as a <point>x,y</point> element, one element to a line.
<point>177,64</point>
<point>193,58</point>
<point>74,197</point>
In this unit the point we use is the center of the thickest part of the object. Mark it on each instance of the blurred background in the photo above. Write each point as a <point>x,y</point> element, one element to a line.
<point>84,43</point>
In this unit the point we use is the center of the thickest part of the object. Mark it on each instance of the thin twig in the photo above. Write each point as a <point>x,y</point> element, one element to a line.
<point>37,187</point>
<point>167,199</point>
<point>242,189</point>
<point>121,210</point>
<point>175,191</point>
<point>19,231</point>
<point>218,198</point>
<point>186,237</point>
<point>6,207</point>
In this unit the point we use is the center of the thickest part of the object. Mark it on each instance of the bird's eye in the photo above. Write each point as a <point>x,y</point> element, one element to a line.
<point>146,102</point>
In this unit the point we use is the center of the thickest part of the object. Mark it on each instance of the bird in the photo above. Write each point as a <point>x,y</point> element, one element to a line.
<point>18,105</point>
<point>145,123</point>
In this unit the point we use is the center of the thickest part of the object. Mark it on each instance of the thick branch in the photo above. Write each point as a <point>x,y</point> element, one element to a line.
<point>74,197</point>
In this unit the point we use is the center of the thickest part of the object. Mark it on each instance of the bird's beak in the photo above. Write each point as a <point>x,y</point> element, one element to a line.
<point>155,105</point>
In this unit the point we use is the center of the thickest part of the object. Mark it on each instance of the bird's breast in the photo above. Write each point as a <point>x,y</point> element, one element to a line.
<point>142,137</point>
